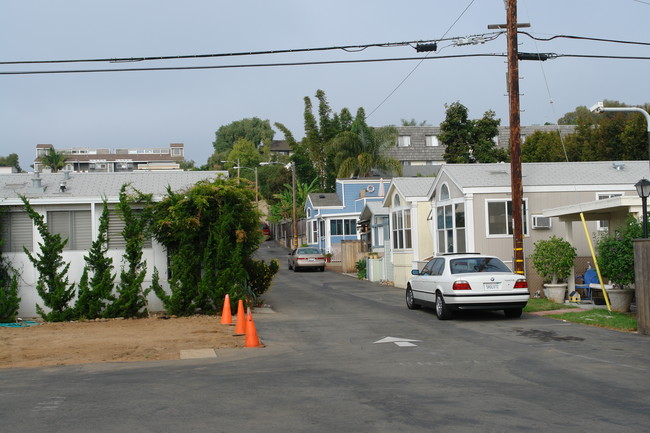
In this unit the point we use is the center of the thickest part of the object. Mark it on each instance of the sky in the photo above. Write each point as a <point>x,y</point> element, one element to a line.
<point>156,108</point>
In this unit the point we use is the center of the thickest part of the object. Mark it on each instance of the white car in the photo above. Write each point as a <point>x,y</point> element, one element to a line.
<point>452,282</point>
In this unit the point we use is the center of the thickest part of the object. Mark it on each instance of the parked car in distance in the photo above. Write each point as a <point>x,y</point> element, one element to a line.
<point>266,231</point>
<point>453,282</point>
<point>306,258</point>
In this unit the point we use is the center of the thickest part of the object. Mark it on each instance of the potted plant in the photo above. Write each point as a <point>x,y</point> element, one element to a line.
<point>328,257</point>
<point>553,261</point>
<point>616,262</point>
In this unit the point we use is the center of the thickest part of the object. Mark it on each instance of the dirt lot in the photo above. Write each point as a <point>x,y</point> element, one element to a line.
<point>112,341</point>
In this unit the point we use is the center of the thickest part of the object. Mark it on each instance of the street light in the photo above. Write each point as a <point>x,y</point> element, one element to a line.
<point>236,166</point>
<point>600,107</point>
<point>643,189</point>
<point>291,166</point>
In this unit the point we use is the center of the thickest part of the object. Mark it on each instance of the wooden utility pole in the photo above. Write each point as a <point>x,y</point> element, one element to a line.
<point>515,138</point>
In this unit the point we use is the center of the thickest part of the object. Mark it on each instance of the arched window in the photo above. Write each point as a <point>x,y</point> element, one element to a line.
<point>396,201</point>
<point>308,213</point>
<point>444,192</point>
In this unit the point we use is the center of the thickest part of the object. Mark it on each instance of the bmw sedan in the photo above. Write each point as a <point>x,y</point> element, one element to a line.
<point>306,258</point>
<point>453,282</point>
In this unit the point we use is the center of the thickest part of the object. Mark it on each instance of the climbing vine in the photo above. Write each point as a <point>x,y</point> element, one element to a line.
<point>210,232</point>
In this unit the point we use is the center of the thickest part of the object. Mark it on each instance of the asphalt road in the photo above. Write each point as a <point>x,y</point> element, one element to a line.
<point>325,369</point>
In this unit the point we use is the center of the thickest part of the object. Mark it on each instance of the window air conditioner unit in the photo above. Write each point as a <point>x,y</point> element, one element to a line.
<point>541,222</point>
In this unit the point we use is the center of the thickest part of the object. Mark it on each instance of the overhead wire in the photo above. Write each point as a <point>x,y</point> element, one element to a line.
<point>418,64</point>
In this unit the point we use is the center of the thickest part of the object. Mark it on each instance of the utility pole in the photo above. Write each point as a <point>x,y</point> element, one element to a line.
<point>515,138</point>
<point>295,210</point>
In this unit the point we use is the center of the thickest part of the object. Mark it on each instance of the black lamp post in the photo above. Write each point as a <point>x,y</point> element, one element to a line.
<point>643,189</point>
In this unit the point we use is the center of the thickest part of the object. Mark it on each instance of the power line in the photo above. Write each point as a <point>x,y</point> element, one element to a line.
<point>253,65</point>
<point>419,63</point>
<point>349,48</point>
<point>582,38</point>
<point>325,62</point>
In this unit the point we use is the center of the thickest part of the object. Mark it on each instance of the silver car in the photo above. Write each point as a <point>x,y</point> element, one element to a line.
<point>306,258</point>
<point>453,282</point>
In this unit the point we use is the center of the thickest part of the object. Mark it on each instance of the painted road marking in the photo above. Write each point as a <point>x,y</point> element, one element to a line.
<point>401,342</point>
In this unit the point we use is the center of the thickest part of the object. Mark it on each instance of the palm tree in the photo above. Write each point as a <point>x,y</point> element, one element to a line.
<point>53,159</point>
<point>359,150</point>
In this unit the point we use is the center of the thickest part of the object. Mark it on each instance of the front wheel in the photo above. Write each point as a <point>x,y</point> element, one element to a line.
<point>442,311</point>
<point>410,300</point>
<point>513,313</point>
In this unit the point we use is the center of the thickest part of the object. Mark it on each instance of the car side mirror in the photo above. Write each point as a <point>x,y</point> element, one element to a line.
<point>415,272</point>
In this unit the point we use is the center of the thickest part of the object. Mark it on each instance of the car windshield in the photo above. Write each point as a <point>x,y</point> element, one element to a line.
<point>477,264</point>
<point>308,251</point>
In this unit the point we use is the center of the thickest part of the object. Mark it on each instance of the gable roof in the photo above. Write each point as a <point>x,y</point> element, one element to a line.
<point>372,208</point>
<point>411,188</point>
<point>83,187</point>
<point>324,199</point>
<point>548,174</point>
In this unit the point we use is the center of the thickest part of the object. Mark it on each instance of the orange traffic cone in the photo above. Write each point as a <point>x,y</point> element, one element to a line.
<point>226,316</point>
<point>240,327</point>
<point>252,340</point>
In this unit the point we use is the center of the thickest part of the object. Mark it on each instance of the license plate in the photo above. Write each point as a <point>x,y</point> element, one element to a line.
<point>312,260</point>
<point>491,286</point>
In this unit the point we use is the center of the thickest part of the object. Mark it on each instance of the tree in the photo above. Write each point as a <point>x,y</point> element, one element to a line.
<point>52,284</point>
<point>413,122</point>
<point>245,153</point>
<point>255,130</point>
<point>359,150</point>
<point>543,146</point>
<point>53,159</point>
<point>131,298</point>
<point>282,209</point>
<point>305,169</point>
<point>210,232</point>
<point>469,141</point>
<point>10,161</point>
<point>9,299</point>
<point>95,294</point>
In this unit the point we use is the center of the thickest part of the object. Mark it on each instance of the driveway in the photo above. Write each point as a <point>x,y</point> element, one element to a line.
<point>346,355</point>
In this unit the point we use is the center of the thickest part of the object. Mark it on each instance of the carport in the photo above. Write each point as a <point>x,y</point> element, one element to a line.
<point>614,210</point>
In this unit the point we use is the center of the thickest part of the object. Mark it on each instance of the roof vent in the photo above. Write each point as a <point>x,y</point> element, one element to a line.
<point>37,185</point>
<point>66,175</point>
<point>618,165</point>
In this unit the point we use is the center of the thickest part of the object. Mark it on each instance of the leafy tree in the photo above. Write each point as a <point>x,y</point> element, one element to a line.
<point>96,294</point>
<point>271,180</point>
<point>210,231</point>
<point>469,141</point>
<point>413,122</point>
<point>52,285</point>
<point>9,299</point>
<point>53,159</point>
<point>542,146</point>
<point>131,298</point>
<point>283,208</point>
<point>359,150</point>
<point>305,169</point>
<point>10,161</point>
<point>255,130</point>
<point>245,153</point>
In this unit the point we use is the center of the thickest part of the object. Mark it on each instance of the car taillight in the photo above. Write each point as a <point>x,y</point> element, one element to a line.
<point>461,285</point>
<point>520,284</point>
<point>301,258</point>
<point>320,258</point>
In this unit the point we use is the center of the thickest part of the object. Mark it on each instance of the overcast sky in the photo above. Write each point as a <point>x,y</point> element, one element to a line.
<point>155,108</point>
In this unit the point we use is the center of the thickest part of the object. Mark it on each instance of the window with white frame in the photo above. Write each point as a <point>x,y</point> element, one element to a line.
<point>313,232</point>
<point>74,225</point>
<point>402,229</point>
<point>451,228</point>
<point>17,231</point>
<point>403,141</point>
<point>431,140</point>
<point>603,225</point>
<point>343,227</point>
<point>499,217</point>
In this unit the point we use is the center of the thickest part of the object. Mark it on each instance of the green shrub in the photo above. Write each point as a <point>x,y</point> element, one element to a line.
<point>361,269</point>
<point>616,253</point>
<point>553,259</point>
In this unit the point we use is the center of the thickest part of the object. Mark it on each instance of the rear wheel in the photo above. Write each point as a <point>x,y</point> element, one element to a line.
<point>513,313</point>
<point>410,300</point>
<point>322,268</point>
<point>289,264</point>
<point>295,267</point>
<point>442,311</point>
